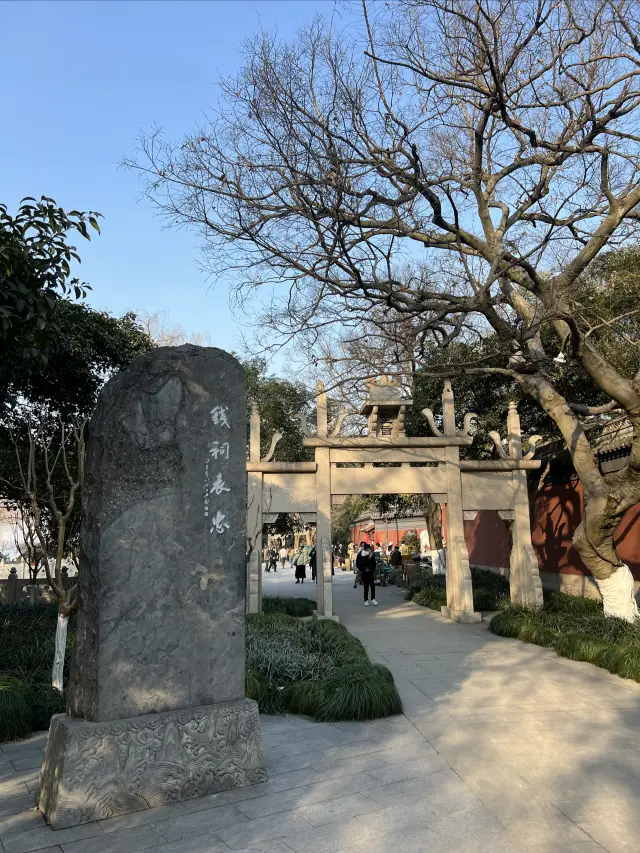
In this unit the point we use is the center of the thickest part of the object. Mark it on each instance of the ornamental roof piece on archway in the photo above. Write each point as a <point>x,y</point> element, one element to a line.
<point>385,407</point>
<point>385,391</point>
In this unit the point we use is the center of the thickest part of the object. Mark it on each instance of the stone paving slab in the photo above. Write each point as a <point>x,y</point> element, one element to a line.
<point>503,748</point>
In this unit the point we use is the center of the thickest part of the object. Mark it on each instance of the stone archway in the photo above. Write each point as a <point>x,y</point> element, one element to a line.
<point>426,465</point>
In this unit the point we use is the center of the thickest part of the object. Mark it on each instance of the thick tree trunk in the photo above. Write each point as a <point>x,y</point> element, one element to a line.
<point>433,517</point>
<point>606,498</point>
<point>618,594</point>
<point>57,677</point>
<point>593,540</point>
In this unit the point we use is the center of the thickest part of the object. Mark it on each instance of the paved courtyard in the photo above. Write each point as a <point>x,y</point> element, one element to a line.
<point>503,748</point>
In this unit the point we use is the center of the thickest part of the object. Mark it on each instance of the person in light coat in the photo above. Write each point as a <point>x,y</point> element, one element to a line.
<point>300,562</point>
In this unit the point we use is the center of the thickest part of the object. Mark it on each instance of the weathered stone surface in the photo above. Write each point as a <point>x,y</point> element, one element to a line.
<point>162,574</point>
<point>93,771</point>
<point>157,711</point>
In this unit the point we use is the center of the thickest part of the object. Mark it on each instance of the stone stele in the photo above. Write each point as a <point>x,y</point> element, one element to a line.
<point>157,710</point>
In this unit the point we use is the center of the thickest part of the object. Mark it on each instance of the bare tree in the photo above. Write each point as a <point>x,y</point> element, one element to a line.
<point>26,541</point>
<point>458,162</point>
<point>51,474</point>
<point>164,333</point>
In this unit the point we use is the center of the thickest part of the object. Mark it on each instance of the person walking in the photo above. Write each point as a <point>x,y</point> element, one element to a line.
<point>395,559</point>
<point>273,560</point>
<point>313,564</point>
<point>300,561</point>
<point>366,565</point>
<point>283,556</point>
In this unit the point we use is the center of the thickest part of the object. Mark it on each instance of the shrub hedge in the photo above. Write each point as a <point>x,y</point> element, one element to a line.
<point>489,589</point>
<point>27,642</point>
<point>575,628</point>
<point>318,669</point>
<point>291,666</point>
<point>290,606</point>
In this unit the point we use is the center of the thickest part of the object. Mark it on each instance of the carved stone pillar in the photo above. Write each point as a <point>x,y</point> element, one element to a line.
<point>524,578</point>
<point>459,587</point>
<point>323,506</point>
<point>254,519</point>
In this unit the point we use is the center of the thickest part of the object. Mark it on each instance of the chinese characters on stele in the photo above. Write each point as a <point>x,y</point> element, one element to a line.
<point>218,457</point>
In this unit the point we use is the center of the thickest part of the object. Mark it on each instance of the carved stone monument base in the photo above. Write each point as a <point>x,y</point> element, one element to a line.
<point>99,770</point>
<point>461,616</point>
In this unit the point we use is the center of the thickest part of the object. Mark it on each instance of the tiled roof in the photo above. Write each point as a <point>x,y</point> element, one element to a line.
<point>610,438</point>
<point>615,436</point>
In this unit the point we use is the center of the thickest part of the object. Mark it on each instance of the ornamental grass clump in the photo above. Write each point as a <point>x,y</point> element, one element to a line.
<point>359,692</point>
<point>290,606</point>
<point>281,648</point>
<point>575,628</point>
<point>314,668</point>
<point>489,589</point>
<point>317,669</point>
<point>15,717</point>
<point>27,643</point>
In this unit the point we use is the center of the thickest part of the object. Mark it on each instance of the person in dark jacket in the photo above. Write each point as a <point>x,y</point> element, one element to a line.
<point>395,558</point>
<point>313,564</point>
<point>366,566</point>
<point>273,560</point>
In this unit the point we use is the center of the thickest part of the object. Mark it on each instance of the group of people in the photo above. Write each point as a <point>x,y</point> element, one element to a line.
<point>366,563</point>
<point>271,557</point>
<point>366,566</point>
<point>298,558</point>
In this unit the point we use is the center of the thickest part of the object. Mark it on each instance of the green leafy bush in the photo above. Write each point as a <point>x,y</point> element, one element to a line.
<point>304,697</point>
<point>358,692</point>
<point>394,577</point>
<point>15,717</point>
<point>430,590</point>
<point>337,642</point>
<point>433,598</point>
<point>292,666</point>
<point>286,657</point>
<point>27,643</point>
<point>44,702</point>
<point>318,669</point>
<point>575,628</point>
<point>289,606</point>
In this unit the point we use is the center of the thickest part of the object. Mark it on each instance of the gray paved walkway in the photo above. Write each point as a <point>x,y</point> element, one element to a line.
<point>503,748</point>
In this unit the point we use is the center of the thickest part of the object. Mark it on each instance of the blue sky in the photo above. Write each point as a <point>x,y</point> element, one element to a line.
<point>81,79</point>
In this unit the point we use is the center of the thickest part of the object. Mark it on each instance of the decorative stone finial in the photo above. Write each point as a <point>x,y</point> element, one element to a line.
<point>386,406</point>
